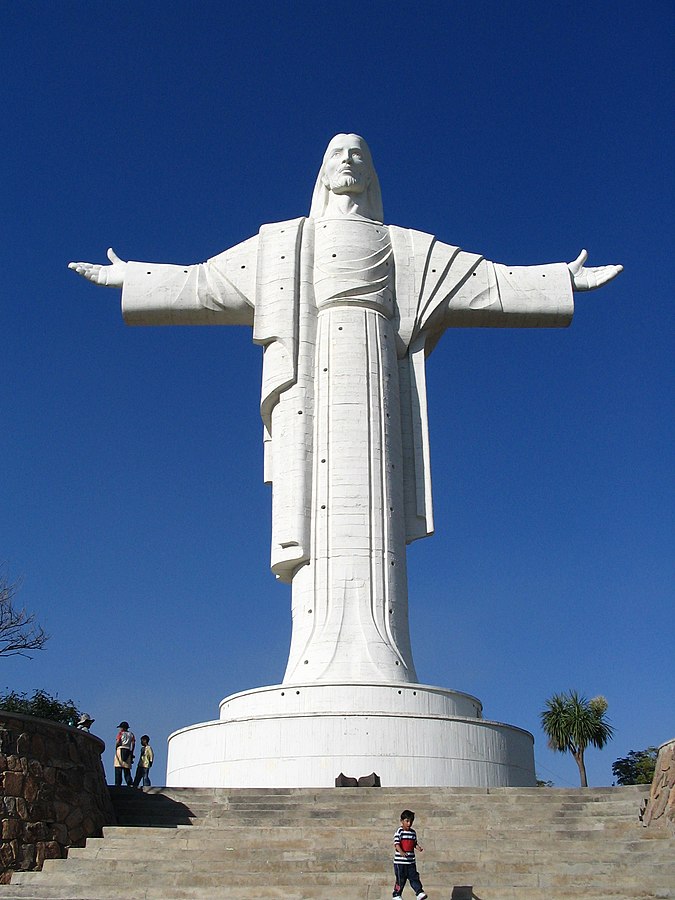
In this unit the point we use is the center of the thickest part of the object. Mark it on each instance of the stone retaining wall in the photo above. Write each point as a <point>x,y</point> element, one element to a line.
<point>53,793</point>
<point>661,807</point>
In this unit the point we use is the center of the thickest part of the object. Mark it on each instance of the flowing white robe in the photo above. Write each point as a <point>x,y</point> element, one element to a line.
<point>343,404</point>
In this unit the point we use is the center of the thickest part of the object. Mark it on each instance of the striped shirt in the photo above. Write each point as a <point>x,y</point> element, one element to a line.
<point>407,839</point>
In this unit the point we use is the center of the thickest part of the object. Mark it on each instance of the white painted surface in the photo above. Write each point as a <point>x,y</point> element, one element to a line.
<point>306,735</point>
<point>391,699</point>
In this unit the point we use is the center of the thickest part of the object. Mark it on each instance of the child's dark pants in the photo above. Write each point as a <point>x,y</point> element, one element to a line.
<point>407,872</point>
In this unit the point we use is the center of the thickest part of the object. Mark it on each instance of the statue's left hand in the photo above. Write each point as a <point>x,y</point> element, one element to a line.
<point>593,277</point>
<point>109,276</point>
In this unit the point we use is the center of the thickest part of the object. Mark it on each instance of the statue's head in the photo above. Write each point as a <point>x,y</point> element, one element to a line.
<point>347,168</point>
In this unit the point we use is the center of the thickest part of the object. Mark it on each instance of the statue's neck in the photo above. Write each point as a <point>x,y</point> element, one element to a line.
<point>348,205</point>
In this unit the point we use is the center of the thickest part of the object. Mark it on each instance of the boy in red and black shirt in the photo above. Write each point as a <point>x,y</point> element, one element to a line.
<point>405,866</point>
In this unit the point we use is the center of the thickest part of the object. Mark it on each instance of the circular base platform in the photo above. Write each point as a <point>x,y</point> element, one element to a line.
<point>305,735</point>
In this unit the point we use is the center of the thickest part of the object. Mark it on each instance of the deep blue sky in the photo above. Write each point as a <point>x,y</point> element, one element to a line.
<point>131,485</point>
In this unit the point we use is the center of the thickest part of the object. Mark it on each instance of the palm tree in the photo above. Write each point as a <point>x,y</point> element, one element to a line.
<point>572,723</point>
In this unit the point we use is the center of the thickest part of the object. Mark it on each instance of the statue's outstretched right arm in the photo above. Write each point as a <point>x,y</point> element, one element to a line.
<point>220,291</point>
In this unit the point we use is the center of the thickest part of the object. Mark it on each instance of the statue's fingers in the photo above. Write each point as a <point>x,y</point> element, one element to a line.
<point>607,273</point>
<point>595,276</point>
<point>91,272</point>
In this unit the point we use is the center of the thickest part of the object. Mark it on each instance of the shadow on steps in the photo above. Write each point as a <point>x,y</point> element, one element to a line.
<point>149,807</point>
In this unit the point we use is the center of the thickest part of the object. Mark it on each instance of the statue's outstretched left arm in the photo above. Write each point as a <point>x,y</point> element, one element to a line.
<point>108,276</point>
<point>480,293</point>
<point>593,277</point>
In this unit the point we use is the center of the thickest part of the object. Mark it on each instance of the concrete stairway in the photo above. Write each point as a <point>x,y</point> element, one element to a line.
<point>305,844</point>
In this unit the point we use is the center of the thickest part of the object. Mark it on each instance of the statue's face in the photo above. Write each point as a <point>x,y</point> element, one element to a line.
<point>347,168</point>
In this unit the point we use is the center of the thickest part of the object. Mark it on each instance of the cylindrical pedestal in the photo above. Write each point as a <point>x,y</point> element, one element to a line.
<point>304,735</point>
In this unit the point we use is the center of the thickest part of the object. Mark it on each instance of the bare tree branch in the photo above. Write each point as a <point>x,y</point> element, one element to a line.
<point>19,629</point>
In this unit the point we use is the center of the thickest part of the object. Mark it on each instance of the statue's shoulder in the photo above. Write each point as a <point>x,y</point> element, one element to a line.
<point>289,226</point>
<point>399,229</point>
<point>419,240</point>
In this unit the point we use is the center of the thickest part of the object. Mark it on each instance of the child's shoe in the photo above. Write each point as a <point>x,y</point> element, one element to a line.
<point>422,896</point>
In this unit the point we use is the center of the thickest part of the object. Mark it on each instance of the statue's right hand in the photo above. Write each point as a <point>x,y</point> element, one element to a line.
<point>110,276</point>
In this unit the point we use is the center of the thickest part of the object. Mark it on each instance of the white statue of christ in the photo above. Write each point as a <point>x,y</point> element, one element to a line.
<point>347,309</point>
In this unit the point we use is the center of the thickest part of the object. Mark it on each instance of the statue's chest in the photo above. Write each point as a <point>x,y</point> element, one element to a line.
<point>353,264</point>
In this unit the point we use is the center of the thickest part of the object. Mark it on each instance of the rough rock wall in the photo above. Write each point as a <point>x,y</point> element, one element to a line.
<point>53,793</point>
<point>661,807</point>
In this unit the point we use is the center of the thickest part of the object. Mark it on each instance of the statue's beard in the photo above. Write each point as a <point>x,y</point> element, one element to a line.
<point>346,184</point>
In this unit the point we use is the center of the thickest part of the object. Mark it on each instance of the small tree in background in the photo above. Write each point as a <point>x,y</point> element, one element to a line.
<point>636,768</point>
<point>42,705</point>
<point>572,723</point>
<point>19,631</point>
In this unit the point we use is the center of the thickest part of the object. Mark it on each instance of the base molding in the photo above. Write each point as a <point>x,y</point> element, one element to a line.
<point>304,735</point>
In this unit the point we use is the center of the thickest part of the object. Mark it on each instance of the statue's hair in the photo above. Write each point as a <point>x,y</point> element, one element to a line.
<point>373,192</point>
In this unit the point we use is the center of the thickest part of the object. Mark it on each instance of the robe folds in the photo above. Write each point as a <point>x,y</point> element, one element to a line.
<point>268,282</point>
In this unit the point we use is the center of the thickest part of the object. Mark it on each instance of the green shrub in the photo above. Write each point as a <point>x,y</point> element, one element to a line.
<point>42,705</point>
<point>636,768</point>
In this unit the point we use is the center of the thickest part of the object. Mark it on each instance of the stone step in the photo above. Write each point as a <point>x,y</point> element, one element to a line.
<point>380,796</point>
<point>447,824</point>
<point>374,798</point>
<point>377,811</point>
<point>279,871</point>
<point>440,820</point>
<point>381,808</point>
<point>384,836</point>
<point>467,856</point>
<point>314,891</point>
<point>563,841</point>
<point>428,817</point>
<point>366,892</point>
<point>512,844</point>
<point>210,841</point>
<point>276,871</point>
<point>371,810</point>
<point>455,814</point>
<point>484,860</point>
<point>387,818</point>
<point>375,803</point>
<point>355,795</point>
<point>549,885</point>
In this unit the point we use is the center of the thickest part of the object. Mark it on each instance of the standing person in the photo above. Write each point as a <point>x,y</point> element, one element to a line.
<point>125,743</point>
<point>405,866</point>
<point>144,763</point>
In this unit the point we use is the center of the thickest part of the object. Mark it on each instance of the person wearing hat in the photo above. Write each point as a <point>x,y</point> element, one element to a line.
<point>125,743</point>
<point>85,722</point>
